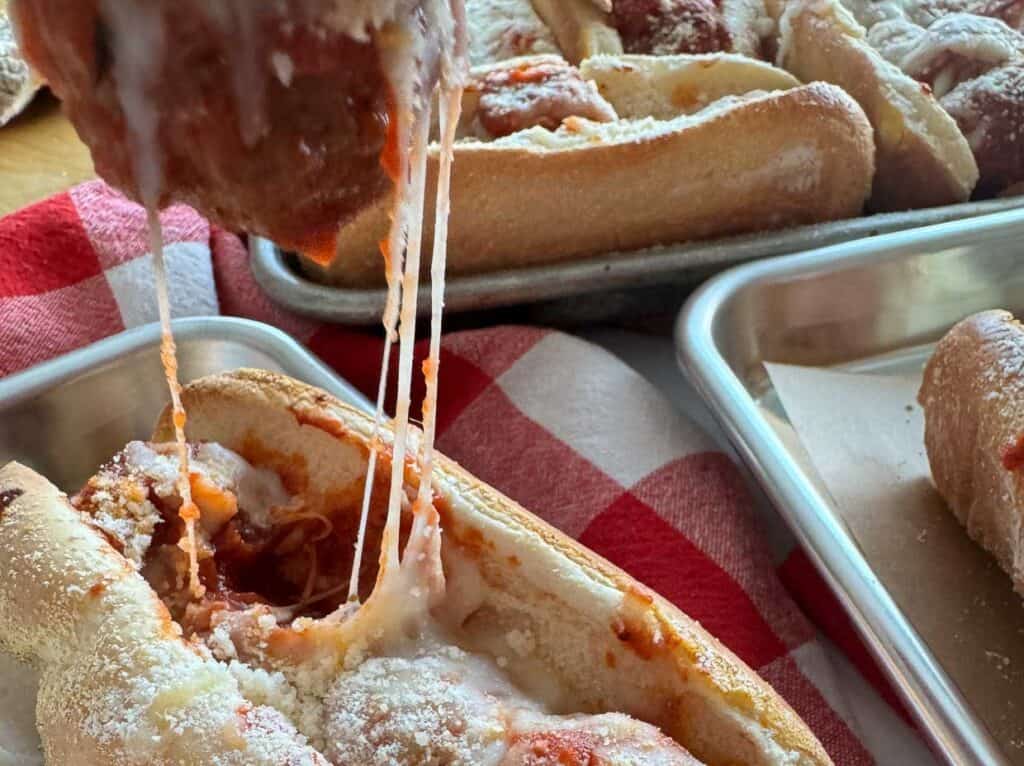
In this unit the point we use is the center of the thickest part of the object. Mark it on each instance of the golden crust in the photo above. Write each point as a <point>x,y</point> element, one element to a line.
<point>972,397</point>
<point>765,162</point>
<point>664,87</point>
<point>720,709</point>
<point>118,685</point>
<point>923,159</point>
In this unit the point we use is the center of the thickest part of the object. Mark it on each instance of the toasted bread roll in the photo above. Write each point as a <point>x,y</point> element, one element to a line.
<point>121,687</point>
<point>751,26</point>
<point>989,110</point>
<point>973,400</point>
<point>521,575</point>
<point>923,159</point>
<point>973,64</point>
<point>749,163</point>
<point>664,87</point>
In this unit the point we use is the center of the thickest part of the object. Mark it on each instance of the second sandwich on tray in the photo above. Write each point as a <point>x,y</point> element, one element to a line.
<point>628,152</point>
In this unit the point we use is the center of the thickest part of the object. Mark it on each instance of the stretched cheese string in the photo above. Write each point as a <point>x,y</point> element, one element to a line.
<point>140,41</point>
<point>394,253</point>
<point>138,62</point>
<point>449,111</point>
<point>390,558</point>
<point>414,106</point>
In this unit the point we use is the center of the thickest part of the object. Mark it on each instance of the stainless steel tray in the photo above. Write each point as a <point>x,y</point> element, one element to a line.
<point>66,416</point>
<point>873,305</point>
<point>606,287</point>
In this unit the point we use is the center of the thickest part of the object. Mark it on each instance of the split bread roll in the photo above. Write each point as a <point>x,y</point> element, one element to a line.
<point>923,159</point>
<point>973,400</point>
<point>664,87</point>
<point>750,161</point>
<point>120,686</point>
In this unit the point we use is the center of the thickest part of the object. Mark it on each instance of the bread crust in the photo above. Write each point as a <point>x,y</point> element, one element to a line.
<point>923,159</point>
<point>118,685</point>
<point>972,394</point>
<point>664,87</point>
<point>585,28</point>
<point>744,720</point>
<point>765,162</point>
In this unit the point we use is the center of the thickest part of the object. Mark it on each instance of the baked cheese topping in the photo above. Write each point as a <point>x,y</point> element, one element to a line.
<point>382,683</point>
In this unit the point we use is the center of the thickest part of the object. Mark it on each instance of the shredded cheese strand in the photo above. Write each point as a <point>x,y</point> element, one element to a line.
<point>189,512</point>
<point>408,218</point>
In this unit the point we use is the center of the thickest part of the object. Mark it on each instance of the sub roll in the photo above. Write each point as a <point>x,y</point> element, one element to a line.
<point>972,397</point>
<point>492,638</point>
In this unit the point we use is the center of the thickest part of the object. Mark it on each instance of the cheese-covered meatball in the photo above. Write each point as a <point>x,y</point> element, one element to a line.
<point>269,117</point>
<point>440,708</point>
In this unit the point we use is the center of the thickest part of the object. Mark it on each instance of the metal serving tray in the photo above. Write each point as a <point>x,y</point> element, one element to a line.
<point>874,305</point>
<point>607,287</point>
<point>65,417</point>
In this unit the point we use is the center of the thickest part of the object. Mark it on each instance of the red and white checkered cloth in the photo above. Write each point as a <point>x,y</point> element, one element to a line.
<point>554,422</point>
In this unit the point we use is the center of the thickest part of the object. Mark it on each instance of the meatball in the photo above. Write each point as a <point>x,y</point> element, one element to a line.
<point>443,708</point>
<point>666,27</point>
<point>448,708</point>
<point>613,739</point>
<point>267,117</point>
<point>543,93</point>
<point>990,111</point>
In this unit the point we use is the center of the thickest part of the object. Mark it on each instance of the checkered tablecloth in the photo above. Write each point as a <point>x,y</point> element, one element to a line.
<point>558,424</point>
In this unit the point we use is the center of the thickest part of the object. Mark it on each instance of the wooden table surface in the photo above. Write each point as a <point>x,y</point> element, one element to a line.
<point>39,156</point>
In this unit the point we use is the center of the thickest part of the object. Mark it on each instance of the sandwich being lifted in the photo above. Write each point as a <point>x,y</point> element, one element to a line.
<point>499,642</point>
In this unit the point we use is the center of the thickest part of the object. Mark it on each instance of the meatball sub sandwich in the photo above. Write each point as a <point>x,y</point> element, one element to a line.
<point>630,151</point>
<point>499,642</point>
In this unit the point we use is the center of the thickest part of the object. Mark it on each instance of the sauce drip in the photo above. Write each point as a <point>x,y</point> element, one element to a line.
<point>139,41</point>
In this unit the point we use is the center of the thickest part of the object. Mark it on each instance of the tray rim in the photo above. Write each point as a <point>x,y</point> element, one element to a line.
<point>933,699</point>
<point>609,271</point>
<point>35,380</point>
